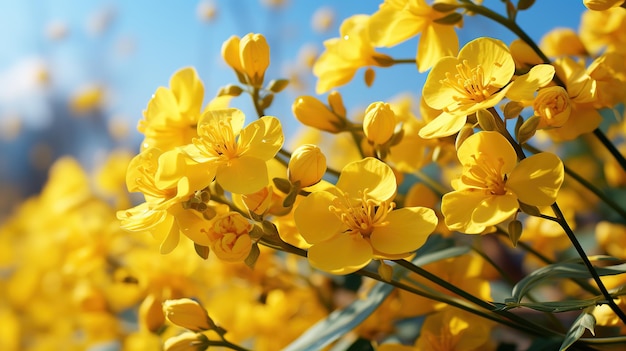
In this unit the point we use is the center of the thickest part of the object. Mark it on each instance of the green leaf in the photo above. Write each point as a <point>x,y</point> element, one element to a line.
<point>341,322</point>
<point>277,85</point>
<point>282,184</point>
<point>554,306</point>
<point>585,321</point>
<point>573,269</point>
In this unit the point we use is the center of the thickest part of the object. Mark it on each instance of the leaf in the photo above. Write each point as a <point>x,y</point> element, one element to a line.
<point>450,19</point>
<point>573,269</point>
<point>252,256</point>
<point>340,322</point>
<point>525,4</point>
<point>585,321</point>
<point>554,306</point>
<point>277,85</point>
<point>282,184</point>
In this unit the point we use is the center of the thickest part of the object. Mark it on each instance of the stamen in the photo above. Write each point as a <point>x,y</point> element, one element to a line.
<point>363,215</point>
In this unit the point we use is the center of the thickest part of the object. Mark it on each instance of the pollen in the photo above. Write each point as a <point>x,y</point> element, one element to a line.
<point>486,173</point>
<point>361,215</point>
<point>218,139</point>
<point>470,83</point>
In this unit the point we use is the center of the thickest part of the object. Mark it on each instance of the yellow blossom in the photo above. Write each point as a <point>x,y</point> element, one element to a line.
<point>562,42</point>
<point>234,154</point>
<point>397,21</point>
<point>357,219</point>
<point>345,55</point>
<point>553,106</point>
<point>455,330</point>
<point>601,5</point>
<point>313,113</point>
<point>604,30</point>
<point>248,56</point>
<point>173,112</point>
<point>492,183</point>
<point>479,78</point>
<point>186,341</point>
<point>229,234</point>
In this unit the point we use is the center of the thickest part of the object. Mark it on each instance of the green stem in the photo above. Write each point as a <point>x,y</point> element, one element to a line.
<point>590,268</point>
<point>471,298</point>
<point>608,201</point>
<point>610,147</point>
<point>255,101</point>
<point>400,61</point>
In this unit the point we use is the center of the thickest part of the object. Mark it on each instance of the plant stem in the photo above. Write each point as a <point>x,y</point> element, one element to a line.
<point>590,268</point>
<point>398,61</point>
<point>471,298</point>
<point>610,147</point>
<point>608,201</point>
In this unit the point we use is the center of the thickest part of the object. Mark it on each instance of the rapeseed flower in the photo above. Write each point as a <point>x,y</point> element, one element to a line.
<point>493,183</point>
<point>397,21</point>
<point>345,55</point>
<point>479,78</point>
<point>357,218</point>
<point>235,155</point>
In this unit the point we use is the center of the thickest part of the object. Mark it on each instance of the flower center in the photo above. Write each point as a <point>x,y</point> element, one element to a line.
<point>470,84</point>
<point>361,215</point>
<point>486,173</point>
<point>217,138</point>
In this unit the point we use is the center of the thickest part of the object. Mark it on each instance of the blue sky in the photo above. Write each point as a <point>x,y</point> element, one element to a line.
<point>141,43</point>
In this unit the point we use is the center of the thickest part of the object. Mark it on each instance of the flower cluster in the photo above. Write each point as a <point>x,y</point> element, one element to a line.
<point>433,223</point>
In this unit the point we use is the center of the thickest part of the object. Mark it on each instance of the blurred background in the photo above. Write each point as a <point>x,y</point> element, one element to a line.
<point>75,76</point>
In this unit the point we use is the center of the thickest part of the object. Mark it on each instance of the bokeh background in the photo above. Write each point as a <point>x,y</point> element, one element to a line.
<point>75,76</point>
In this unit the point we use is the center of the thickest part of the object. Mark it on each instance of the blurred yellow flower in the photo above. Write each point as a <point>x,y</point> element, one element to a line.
<point>345,55</point>
<point>399,20</point>
<point>234,154</point>
<point>229,234</point>
<point>357,219</point>
<point>187,313</point>
<point>492,183</point>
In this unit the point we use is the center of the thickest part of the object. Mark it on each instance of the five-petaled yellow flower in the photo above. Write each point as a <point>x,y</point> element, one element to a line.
<point>492,183</point>
<point>354,222</point>
<point>479,78</point>
<point>234,155</point>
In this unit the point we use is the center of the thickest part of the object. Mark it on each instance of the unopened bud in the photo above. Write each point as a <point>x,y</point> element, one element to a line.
<point>187,313</point>
<point>187,341</point>
<point>313,113</point>
<point>307,165</point>
<point>255,57</point>
<point>379,122</point>
<point>151,316</point>
<point>370,75</point>
<point>230,53</point>
<point>552,104</point>
<point>336,103</point>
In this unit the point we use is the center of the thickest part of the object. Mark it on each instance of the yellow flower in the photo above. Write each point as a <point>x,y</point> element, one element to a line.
<point>186,341</point>
<point>235,155</point>
<point>187,313</point>
<point>162,214</point>
<point>553,106</point>
<point>492,183</point>
<point>229,234</point>
<point>604,30</point>
<point>172,112</point>
<point>345,55</point>
<point>397,21</point>
<point>477,79</point>
<point>562,42</point>
<point>357,219</point>
<point>313,113</point>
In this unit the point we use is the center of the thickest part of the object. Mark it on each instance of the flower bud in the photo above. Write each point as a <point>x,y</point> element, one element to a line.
<point>553,106</point>
<point>187,341</point>
<point>229,236</point>
<point>151,316</point>
<point>379,122</point>
<point>313,113</point>
<point>307,165</point>
<point>336,103</point>
<point>254,56</point>
<point>187,313</point>
<point>230,53</point>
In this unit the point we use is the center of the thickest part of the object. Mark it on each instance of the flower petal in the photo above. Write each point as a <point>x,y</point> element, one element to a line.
<point>443,125</point>
<point>523,87</point>
<point>314,220</point>
<point>494,209</point>
<point>262,138</point>
<point>489,145</point>
<point>457,208</point>
<point>341,254</point>
<point>537,179</point>
<point>437,41</point>
<point>243,175</point>
<point>407,230</point>
<point>189,92</point>
<point>494,58</point>
<point>234,117</point>
<point>371,174</point>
